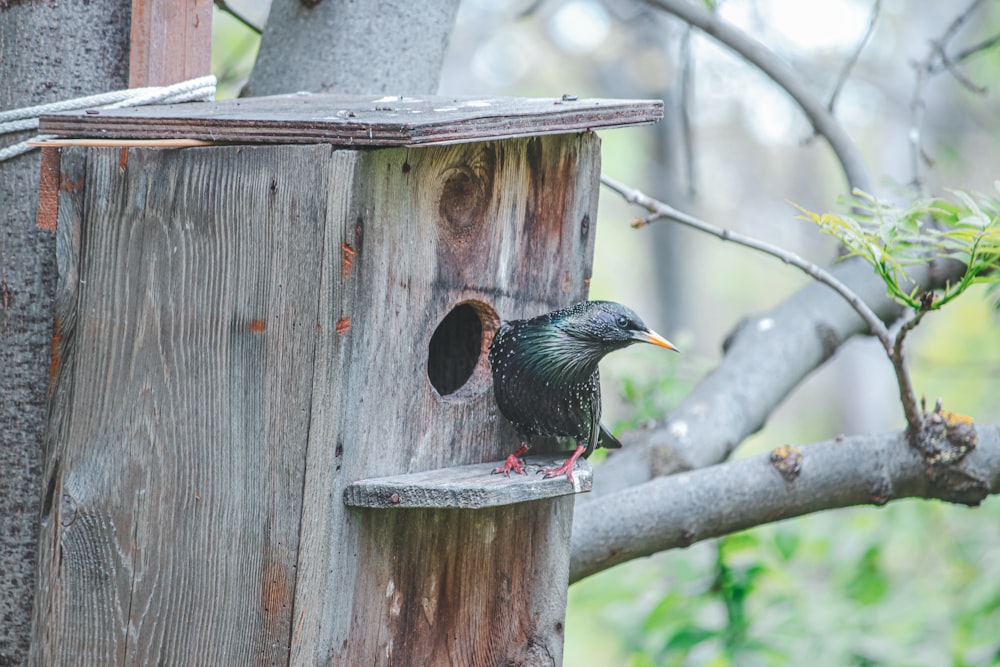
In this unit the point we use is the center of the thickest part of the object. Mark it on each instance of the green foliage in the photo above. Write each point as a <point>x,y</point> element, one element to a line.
<point>651,398</point>
<point>913,584</point>
<point>891,238</point>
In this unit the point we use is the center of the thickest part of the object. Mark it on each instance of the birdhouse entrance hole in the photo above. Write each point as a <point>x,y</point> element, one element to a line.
<point>457,365</point>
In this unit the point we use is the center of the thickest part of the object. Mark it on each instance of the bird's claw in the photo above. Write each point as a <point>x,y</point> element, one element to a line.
<point>512,463</point>
<point>565,469</point>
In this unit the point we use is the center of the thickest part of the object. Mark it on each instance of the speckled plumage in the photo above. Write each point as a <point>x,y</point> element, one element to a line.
<point>545,376</point>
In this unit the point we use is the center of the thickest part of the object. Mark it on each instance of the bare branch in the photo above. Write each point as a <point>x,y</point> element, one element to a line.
<point>823,122</point>
<point>247,23</point>
<point>906,394</point>
<point>936,61</point>
<point>853,59</point>
<point>681,509</point>
<point>662,210</point>
<point>686,57</point>
<point>968,52</point>
<point>959,21</point>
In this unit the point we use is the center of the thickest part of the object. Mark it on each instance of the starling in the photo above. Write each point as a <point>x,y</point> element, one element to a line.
<point>545,376</point>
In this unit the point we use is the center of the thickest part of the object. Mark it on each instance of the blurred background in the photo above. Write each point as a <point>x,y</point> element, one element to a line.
<point>913,583</point>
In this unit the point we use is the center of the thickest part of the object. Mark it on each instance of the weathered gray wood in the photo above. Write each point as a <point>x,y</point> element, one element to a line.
<point>252,334</point>
<point>507,224</point>
<point>489,602</point>
<point>366,120</point>
<point>172,518</point>
<point>468,487</point>
<point>67,205</point>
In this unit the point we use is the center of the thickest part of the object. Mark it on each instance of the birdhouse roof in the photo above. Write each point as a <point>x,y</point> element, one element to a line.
<point>357,121</point>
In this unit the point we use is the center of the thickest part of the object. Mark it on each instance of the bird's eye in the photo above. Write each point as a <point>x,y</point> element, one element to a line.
<point>622,321</point>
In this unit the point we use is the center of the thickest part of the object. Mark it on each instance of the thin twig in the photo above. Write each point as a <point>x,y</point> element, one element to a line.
<point>959,21</point>
<point>950,66</point>
<point>853,59</point>
<point>968,52</point>
<point>918,109</point>
<point>936,61</point>
<point>824,123</point>
<point>224,6</point>
<point>662,210</point>
<point>907,396</point>
<point>687,90</point>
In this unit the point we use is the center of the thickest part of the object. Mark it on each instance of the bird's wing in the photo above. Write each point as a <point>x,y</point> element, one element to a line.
<point>595,417</point>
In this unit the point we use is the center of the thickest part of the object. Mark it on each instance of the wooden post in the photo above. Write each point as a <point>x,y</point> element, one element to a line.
<point>256,328</point>
<point>170,41</point>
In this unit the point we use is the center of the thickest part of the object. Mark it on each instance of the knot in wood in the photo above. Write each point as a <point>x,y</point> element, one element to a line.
<point>787,460</point>
<point>463,200</point>
<point>946,437</point>
<point>944,440</point>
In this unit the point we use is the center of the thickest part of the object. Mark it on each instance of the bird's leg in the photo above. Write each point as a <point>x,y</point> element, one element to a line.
<point>566,468</point>
<point>513,462</point>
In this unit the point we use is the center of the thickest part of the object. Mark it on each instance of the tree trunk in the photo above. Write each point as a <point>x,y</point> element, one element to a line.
<point>45,55</point>
<point>380,46</point>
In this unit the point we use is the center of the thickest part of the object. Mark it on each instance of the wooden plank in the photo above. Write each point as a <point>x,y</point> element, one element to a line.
<point>69,211</point>
<point>421,230</point>
<point>356,120</point>
<point>121,143</point>
<point>468,487</point>
<point>181,412</point>
<point>170,41</point>
<point>498,600</point>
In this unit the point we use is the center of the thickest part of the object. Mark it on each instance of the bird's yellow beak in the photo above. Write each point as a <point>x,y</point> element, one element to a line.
<point>655,339</point>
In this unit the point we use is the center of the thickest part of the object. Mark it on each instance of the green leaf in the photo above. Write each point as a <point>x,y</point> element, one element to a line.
<point>965,228</point>
<point>870,583</point>
<point>688,637</point>
<point>787,543</point>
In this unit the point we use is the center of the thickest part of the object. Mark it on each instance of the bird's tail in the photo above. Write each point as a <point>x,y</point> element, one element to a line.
<point>606,440</point>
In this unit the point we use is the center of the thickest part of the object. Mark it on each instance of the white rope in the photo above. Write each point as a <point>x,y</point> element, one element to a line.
<point>19,120</point>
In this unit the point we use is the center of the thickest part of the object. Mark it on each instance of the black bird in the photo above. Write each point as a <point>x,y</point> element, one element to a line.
<point>545,376</point>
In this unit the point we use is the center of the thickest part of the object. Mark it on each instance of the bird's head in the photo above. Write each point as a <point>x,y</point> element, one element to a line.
<point>607,326</point>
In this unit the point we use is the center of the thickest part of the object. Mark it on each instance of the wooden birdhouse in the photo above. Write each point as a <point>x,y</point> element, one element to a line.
<point>272,426</point>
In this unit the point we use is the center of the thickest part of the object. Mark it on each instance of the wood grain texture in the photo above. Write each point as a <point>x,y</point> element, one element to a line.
<point>357,120</point>
<point>170,41</point>
<point>182,414</point>
<point>468,487</point>
<point>504,224</point>
<point>251,334</point>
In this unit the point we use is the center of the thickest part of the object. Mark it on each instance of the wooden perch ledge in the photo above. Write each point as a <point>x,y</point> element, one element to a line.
<point>468,486</point>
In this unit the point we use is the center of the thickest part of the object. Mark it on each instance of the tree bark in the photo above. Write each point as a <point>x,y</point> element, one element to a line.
<point>380,47</point>
<point>48,51</point>
<point>688,507</point>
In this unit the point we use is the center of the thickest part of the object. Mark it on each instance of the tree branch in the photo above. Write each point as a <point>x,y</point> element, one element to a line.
<point>894,350</point>
<point>681,509</point>
<point>936,61</point>
<point>247,23</point>
<point>758,55</point>
<point>665,211</point>
<point>852,60</point>
<point>906,394</point>
<point>765,358</point>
